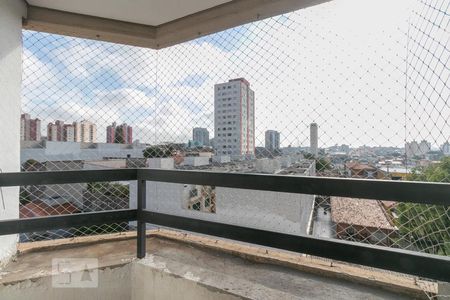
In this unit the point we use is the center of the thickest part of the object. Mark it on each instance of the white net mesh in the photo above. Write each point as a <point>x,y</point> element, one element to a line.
<point>362,94</point>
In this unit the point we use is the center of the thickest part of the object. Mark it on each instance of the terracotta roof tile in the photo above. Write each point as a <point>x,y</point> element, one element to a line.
<point>41,209</point>
<point>361,212</point>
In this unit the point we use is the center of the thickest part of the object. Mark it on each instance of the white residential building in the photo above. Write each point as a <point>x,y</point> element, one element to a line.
<point>272,140</point>
<point>30,129</point>
<point>417,149</point>
<point>43,151</point>
<point>52,132</point>
<point>55,131</point>
<point>69,133</point>
<point>424,147</point>
<point>446,148</point>
<point>314,139</point>
<point>234,118</point>
<point>200,136</point>
<point>411,149</point>
<point>77,132</point>
<point>88,132</point>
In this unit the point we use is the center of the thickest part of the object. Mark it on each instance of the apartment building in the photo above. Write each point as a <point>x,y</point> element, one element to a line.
<point>30,129</point>
<point>200,136</point>
<point>234,118</point>
<point>272,140</point>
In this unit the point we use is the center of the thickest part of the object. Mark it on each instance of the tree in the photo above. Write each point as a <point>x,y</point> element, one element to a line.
<point>24,196</point>
<point>32,165</point>
<point>158,152</point>
<point>322,164</point>
<point>109,189</point>
<point>427,226</point>
<point>308,155</point>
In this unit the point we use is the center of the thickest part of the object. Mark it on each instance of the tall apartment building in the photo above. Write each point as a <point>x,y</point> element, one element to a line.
<point>200,136</point>
<point>234,118</point>
<point>272,140</point>
<point>55,131</point>
<point>411,149</point>
<point>30,129</point>
<point>60,132</point>
<point>77,132</point>
<point>111,133</point>
<point>69,133</point>
<point>122,134</point>
<point>314,139</point>
<point>88,132</point>
<point>446,148</point>
<point>424,147</point>
<point>417,149</point>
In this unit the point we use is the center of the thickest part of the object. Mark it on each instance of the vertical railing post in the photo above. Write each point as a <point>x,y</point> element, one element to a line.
<point>141,225</point>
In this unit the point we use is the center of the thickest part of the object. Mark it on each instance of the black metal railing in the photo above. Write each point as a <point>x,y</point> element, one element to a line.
<point>399,260</point>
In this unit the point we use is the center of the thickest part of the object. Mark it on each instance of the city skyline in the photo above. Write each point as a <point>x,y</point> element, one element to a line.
<point>58,130</point>
<point>444,147</point>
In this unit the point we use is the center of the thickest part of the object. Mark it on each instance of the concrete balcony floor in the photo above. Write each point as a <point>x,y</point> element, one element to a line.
<point>184,266</point>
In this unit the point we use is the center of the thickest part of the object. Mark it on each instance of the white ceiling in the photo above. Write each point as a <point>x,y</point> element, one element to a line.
<point>148,12</point>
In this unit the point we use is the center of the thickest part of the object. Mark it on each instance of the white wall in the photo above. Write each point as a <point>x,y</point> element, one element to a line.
<point>273,211</point>
<point>196,161</point>
<point>11,12</point>
<point>58,151</point>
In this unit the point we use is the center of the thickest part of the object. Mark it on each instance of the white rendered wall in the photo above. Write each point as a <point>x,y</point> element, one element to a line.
<point>281,212</point>
<point>11,13</point>
<point>274,211</point>
<point>57,151</point>
<point>196,161</point>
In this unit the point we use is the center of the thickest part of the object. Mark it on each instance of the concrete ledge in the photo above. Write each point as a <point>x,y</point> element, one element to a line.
<point>389,281</point>
<point>171,267</point>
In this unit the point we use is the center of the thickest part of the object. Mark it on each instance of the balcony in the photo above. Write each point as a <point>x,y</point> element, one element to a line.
<point>255,149</point>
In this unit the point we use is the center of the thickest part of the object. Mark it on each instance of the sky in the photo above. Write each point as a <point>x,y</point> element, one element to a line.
<point>368,72</point>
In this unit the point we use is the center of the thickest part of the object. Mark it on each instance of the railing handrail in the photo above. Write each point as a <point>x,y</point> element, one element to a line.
<point>410,262</point>
<point>434,193</point>
<point>393,259</point>
<point>64,177</point>
<point>401,191</point>
<point>37,224</point>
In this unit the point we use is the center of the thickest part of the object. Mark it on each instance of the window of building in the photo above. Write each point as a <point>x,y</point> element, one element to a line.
<point>201,198</point>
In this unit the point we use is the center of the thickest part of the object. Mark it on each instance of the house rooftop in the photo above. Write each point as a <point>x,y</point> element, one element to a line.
<point>297,168</point>
<point>360,212</point>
